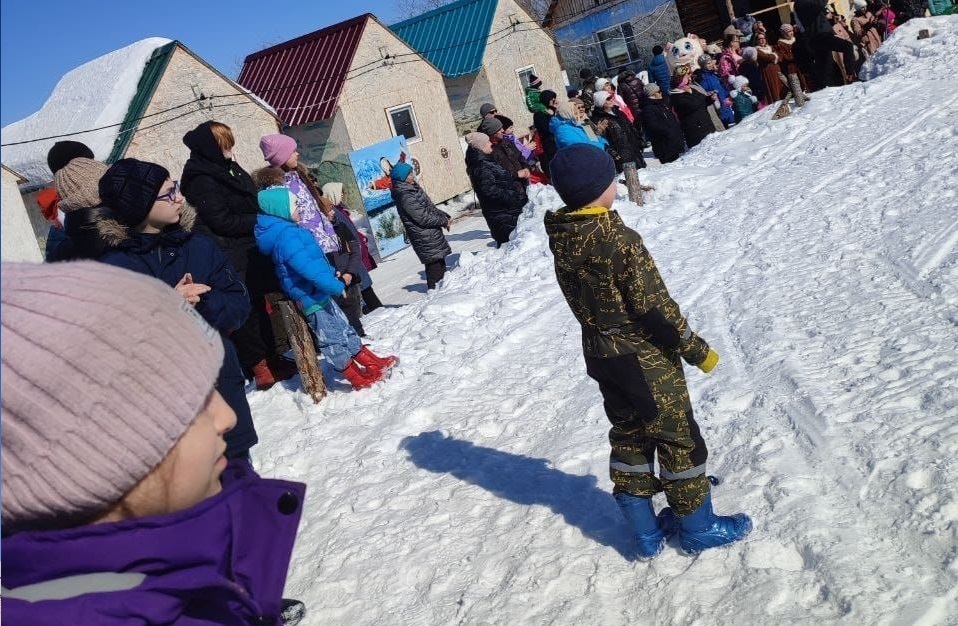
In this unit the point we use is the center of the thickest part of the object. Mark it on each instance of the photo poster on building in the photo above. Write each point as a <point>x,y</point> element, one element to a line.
<point>371,167</point>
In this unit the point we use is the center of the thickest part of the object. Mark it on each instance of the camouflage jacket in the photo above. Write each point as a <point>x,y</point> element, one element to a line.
<point>614,289</point>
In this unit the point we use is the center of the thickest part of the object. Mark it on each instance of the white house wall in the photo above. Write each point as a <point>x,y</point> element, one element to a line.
<point>19,242</point>
<point>184,79</point>
<point>466,94</point>
<point>528,45</point>
<point>365,98</point>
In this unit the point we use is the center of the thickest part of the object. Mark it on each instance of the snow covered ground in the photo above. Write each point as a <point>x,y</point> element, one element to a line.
<point>818,254</point>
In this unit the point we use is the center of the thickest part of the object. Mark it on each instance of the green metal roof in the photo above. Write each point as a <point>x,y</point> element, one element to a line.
<point>453,37</point>
<point>145,89</point>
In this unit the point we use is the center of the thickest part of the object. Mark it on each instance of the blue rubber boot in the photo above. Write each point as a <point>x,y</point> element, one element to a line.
<point>702,529</point>
<point>639,514</point>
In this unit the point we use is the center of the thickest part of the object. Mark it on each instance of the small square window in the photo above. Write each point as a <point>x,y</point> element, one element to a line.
<point>402,120</point>
<point>524,73</point>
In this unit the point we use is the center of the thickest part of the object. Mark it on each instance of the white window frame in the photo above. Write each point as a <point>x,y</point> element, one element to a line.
<point>412,115</point>
<point>624,41</point>
<point>519,72</point>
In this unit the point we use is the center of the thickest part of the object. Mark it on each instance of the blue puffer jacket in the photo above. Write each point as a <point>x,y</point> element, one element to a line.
<point>710,82</point>
<point>302,268</point>
<point>567,133</point>
<point>659,72</point>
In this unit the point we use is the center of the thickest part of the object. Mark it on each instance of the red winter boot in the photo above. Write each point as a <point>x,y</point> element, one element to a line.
<point>263,376</point>
<point>366,358</point>
<point>360,378</point>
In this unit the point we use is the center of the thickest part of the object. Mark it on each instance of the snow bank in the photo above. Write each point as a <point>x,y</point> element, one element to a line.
<point>938,53</point>
<point>97,93</point>
<point>818,254</point>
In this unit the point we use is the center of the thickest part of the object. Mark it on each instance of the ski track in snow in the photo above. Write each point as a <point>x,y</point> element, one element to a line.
<point>818,254</point>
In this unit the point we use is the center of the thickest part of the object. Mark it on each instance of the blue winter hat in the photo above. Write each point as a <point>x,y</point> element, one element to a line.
<point>276,201</point>
<point>400,172</point>
<point>581,173</point>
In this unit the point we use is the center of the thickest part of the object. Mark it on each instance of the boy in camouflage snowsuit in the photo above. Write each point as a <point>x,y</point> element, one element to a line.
<point>634,339</point>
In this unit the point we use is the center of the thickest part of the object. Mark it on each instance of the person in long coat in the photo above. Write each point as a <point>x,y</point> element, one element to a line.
<point>692,108</point>
<point>500,200</point>
<point>660,123</point>
<point>423,222</point>
<point>224,197</point>
<point>625,145</point>
<point>771,70</point>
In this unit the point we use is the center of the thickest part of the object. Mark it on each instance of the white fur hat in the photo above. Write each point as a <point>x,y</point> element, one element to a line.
<point>738,82</point>
<point>860,5</point>
<point>600,83</point>
<point>600,98</point>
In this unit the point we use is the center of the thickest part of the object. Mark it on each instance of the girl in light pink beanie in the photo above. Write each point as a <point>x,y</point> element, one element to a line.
<point>113,470</point>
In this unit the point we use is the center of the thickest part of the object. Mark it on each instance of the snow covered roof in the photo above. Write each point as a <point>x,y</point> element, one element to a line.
<point>97,93</point>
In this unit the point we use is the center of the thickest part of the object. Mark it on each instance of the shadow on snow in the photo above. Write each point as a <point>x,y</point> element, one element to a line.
<point>528,481</point>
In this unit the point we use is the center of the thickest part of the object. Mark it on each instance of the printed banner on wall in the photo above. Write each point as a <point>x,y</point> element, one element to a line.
<point>371,167</point>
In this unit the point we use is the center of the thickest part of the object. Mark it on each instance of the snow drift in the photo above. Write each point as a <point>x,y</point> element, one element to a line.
<point>97,93</point>
<point>818,254</point>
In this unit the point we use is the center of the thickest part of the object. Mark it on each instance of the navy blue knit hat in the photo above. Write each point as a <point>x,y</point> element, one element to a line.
<point>130,188</point>
<point>581,173</point>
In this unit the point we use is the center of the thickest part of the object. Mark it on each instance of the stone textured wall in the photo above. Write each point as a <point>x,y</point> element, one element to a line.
<point>185,78</point>
<point>406,79</point>
<point>579,46</point>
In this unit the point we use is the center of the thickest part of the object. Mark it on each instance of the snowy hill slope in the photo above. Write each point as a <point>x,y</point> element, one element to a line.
<point>818,254</point>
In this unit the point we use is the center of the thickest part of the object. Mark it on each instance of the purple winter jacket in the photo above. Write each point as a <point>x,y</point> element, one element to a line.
<point>222,561</point>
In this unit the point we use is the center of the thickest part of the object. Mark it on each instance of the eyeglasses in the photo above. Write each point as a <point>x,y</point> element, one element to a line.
<point>170,196</point>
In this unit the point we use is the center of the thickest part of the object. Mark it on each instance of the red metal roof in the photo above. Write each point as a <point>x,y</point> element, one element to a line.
<point>302,78</point>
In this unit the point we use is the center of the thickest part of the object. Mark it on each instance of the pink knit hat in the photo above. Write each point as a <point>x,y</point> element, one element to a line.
<point>277,148</point>
<point>102,371</point>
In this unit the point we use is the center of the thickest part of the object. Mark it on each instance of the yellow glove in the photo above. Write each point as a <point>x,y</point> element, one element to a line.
<point>710,361</point>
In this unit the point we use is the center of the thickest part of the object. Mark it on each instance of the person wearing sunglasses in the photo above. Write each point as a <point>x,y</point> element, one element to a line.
<point>147,228</point>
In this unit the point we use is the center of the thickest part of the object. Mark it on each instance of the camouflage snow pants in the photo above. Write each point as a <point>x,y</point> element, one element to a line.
<point>647,402</point>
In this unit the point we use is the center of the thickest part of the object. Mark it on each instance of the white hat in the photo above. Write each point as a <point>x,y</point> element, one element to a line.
<point>738,82</point>
<point>600,98</point>
<point>601,83</point>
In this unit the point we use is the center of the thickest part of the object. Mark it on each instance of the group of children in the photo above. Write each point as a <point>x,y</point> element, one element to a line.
<point>121,502</point>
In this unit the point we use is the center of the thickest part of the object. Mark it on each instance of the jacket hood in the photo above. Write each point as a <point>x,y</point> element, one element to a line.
<point>266,177</point>
<point>115,234</point>
<point>201,141</point>
<point>566,229</point>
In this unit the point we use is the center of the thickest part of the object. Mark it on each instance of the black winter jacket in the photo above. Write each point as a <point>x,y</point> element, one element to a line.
<point>633,92</point>
<point>549,148</point>
<point>422,220</point>
<point>168,256</point>
<point>811,13</point>
<point>501,202</point>
<point>348,259</point>
<point>622,137</point>
<point>508,156</point>
<point>224,196</point>
<point>78,239</point>
<point>664,130</point>
<point>694,117</point>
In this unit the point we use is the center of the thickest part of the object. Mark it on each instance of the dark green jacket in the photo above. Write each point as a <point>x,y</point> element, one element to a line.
<point>615,291</point>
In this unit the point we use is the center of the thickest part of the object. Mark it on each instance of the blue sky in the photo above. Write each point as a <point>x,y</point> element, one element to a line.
<point>43,39</point>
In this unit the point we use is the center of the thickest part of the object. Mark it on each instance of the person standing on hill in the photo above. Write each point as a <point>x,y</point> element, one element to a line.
<point>500,199</point>
<point>659,72</point>
<point>534,96</point>
<point>634,339</point>
<point>541,120</point>
<point>664,130</point>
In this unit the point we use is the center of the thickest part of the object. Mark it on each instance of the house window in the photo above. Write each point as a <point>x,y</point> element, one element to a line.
<point>618,45</point>
<point>524,74</point>
<point>402,120</point>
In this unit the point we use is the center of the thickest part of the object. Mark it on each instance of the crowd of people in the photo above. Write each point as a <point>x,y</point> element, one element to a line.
<point>128,490</point>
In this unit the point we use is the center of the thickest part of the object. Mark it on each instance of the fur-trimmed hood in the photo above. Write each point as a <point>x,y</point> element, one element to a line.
<point>266,177</point>
<point>116,234</point>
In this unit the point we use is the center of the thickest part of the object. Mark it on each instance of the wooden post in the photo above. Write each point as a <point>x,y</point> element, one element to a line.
<point>301,340</point>
<point>632,182</point>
